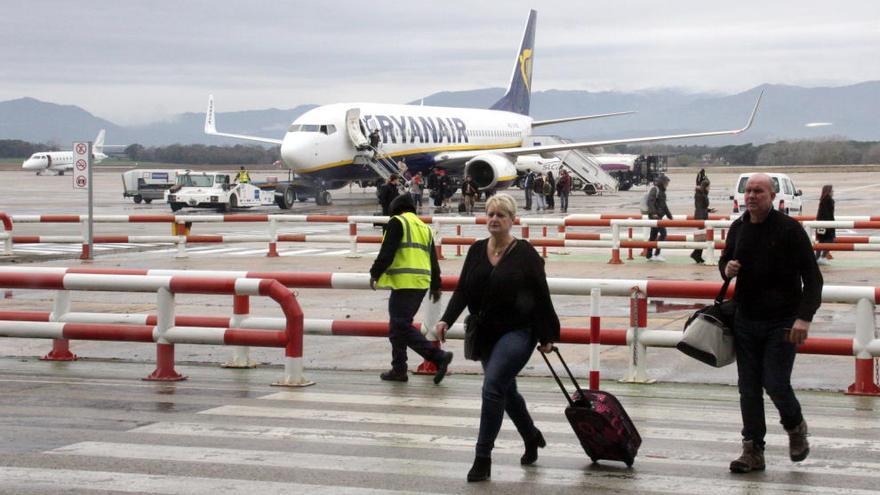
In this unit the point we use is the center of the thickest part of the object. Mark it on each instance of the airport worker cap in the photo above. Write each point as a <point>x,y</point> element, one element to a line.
<point>402,204</point>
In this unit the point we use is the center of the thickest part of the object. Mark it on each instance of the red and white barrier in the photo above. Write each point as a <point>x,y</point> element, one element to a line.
<point>164,333</point>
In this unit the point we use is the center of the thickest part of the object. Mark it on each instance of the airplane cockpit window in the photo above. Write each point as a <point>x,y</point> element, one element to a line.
<point>328,129</point>
<point>304,128</point>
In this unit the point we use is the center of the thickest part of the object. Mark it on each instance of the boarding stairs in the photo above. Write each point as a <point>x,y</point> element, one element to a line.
<point>581,164</point>
<point>377,161</point>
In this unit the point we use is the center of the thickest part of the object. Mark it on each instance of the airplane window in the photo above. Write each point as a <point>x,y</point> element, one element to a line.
<point>294,128</point>
<point>331,129</point>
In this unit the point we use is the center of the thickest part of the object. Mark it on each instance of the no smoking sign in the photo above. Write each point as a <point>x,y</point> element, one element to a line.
<point>81,164</point>
<point>81,148</point>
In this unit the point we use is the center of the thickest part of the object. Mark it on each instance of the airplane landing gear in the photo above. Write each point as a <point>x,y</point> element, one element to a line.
<point>323,198</point>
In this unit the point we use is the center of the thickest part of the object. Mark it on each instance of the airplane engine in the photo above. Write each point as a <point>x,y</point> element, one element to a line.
<point>491,171</point>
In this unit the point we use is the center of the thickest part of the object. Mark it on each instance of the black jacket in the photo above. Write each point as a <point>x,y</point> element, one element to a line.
<point>387,195</point>
<point>826,212</point>
<point>515,296</point>
<point>657,207</point>
<point>701,204</point>
<point>776,258</point>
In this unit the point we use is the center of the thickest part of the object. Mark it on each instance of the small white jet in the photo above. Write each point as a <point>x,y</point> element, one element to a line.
<point>328,147</point>
<point>58,162</point>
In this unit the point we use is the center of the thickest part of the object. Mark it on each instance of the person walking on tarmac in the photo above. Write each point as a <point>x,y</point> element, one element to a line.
<point>701,212</point>
<point>243,177</point>
<point>527,188</point>
<point>701,176</point>
<point>407,264</point>
<point>387,193</point>
<point>778,290</point>
<point>657,209</point>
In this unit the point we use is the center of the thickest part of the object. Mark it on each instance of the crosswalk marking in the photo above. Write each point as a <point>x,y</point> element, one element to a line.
<point>410,419</point>
<point>622,480</point>
<point>28,479</point>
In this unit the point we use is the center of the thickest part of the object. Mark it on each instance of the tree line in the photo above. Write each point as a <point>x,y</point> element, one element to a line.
<point>825,152</point>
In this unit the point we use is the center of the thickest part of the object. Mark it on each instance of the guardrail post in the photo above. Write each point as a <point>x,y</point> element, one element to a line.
<point>710,245</point>
<point>241,307</point>
<point>181,243</point>
<point>273,238</point>
<point>615,245</point>
<point>164,371</point>
<point>595,322</point>
<point>458,244</point>
<point>7,231</point>
<point>865,332</point>
<point>60,347</point>
<point>561,230</point>
<point>544,247</point>
<point>438,240</point>
<point>353,232</point>
<point>629,255</point>
<point>84,232</point>
<point>638,319</point>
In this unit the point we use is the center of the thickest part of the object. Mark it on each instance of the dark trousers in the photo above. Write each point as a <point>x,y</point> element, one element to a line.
<point>764,361</point>
<point>655,232</point>
<point>402,308</point>
<point>563,201</point>
<point>508,357</point>
<point>528,192</point>
<point>549,199</point>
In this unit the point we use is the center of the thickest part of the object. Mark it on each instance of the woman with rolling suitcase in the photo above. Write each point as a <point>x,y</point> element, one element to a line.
<point>504,287</point>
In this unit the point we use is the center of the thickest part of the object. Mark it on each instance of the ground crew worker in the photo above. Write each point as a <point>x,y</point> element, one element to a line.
<point>407,264</point>
<point>243,176</point>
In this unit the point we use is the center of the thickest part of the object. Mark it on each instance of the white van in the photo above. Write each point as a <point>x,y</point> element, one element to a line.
<point>147,185</point>
<point>788,198</point>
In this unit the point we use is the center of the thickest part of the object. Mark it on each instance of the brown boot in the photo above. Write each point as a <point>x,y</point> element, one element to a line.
<point>752,459</point>
<point>798,446</point>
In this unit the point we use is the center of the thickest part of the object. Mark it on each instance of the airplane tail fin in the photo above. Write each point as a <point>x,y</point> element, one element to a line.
<point>519,92</point>
<point>98,145</point>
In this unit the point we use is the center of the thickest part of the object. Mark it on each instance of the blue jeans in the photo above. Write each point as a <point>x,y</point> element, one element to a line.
<point>402,308</point>
<point>563,201</point>
<point>508,357</point>
<point>764,361</point>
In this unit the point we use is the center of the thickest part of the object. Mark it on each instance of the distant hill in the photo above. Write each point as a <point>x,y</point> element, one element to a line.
<point>785,110</point>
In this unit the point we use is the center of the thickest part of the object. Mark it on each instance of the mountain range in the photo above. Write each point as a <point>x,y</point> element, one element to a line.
<point>785,110</point>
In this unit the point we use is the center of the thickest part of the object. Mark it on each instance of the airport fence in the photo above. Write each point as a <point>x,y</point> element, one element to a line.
<point>864,346</point>
<point>626,232</point>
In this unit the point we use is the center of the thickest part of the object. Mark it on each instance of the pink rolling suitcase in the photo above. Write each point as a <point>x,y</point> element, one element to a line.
<point>599,421</point>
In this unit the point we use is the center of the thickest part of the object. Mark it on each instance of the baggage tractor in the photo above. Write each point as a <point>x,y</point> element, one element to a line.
<point>599,421</point>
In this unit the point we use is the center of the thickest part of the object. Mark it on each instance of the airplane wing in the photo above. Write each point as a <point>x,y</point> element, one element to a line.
<point>456,156</point>
<point>211,128</point>
<point>539,123</point>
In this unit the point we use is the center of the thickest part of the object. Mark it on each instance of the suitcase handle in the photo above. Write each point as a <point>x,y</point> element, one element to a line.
<point>556,377</point>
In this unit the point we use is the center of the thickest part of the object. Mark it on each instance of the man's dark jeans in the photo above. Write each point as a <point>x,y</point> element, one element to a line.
<point>402,308</point>
<point>654,237</point>
<point>764,360</point>
<point>508,357</point>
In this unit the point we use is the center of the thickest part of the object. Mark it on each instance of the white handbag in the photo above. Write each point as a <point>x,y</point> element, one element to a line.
<point>707,337</point>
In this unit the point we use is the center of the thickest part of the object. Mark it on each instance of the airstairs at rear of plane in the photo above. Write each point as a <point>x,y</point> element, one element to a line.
<point>581,164</point>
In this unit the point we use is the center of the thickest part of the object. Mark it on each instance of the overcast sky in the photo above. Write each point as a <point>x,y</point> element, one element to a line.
<point>140,61</point>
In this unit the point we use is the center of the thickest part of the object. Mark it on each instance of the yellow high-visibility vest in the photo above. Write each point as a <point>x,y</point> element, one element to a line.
<point>411,267</point>
<point>243,177</point>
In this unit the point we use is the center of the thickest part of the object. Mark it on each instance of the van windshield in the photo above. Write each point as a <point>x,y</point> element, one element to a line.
<point>742,185</point>
<point>195,180</point>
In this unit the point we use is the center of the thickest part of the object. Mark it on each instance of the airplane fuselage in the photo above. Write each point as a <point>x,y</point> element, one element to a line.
<point>318,144</point>
<point>54,161</point>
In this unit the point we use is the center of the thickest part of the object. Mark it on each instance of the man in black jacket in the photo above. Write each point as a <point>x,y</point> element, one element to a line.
<point>657,209</point>
<point>388,192</point>
<point>778,290</point>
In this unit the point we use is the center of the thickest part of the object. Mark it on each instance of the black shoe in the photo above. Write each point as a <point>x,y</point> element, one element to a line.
<point>394,376</point>
<point>697,258</point>
<point>442,367</point>
<point>531,454</point>
<point>481,470</point>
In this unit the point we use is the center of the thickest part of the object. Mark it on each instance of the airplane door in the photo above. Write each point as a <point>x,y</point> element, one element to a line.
<point>353,126</point>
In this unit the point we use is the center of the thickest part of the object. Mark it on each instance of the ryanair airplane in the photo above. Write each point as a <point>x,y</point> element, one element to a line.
<point>328,147</point>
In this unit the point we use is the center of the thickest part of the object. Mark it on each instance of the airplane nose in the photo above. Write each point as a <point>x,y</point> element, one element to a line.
<point>31,165</point>
<point>295,152</point>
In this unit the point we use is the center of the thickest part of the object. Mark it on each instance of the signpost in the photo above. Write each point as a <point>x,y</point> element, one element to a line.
<point>82,179</point>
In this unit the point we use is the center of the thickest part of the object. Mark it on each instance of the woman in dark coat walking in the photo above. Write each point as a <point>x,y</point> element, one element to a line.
<point>826,212</point>
<point>503,282</point>
<point>701,212</point>
<point>548,197</point>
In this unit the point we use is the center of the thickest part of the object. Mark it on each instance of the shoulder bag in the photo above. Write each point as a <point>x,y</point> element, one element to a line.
<point>708,333</point>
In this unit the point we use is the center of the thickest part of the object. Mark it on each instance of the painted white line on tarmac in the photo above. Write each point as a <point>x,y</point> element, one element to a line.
<point>297,252</point>
<point>690,435</point>
<point>53,480</point>
<point>729,415</point>
<point>336,253</point>
<point>717,461</point>
<point>624,480</point>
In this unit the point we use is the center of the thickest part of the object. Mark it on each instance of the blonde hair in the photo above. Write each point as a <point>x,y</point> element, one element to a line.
<point>503,202</point>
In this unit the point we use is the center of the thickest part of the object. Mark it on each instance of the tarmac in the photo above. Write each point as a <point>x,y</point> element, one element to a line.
<point>93,425</point>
